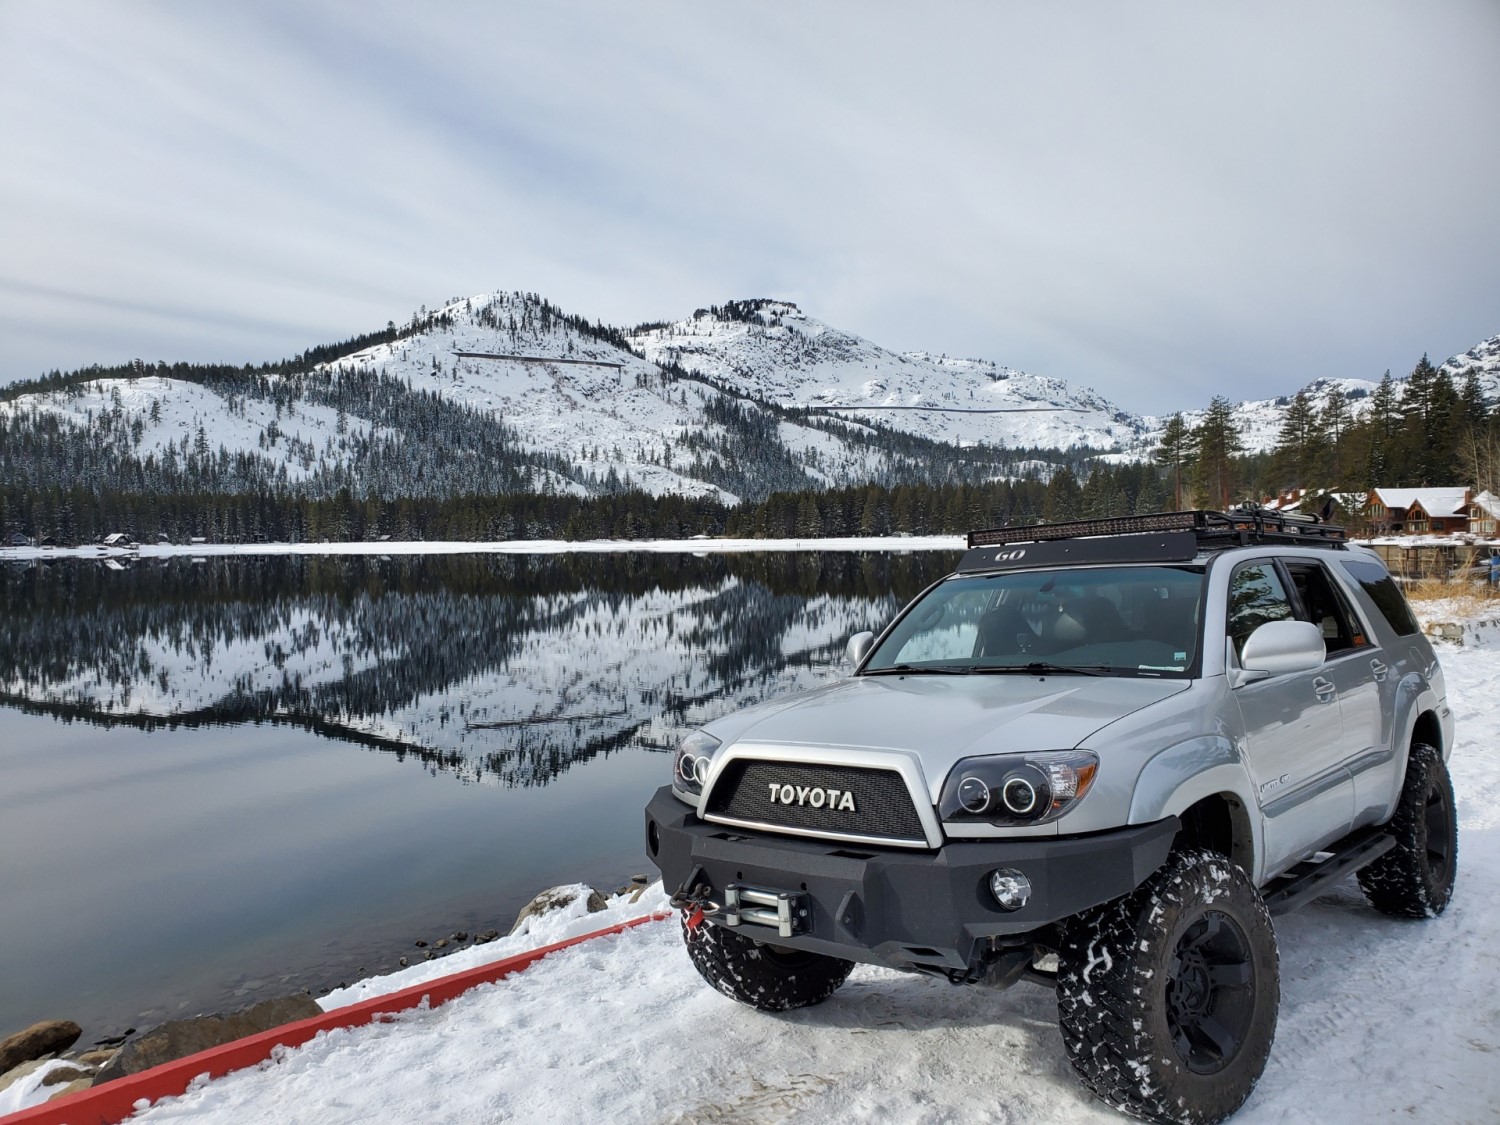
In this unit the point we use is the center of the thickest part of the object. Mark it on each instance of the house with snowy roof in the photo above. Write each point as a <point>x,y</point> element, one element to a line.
<point>1418,511</point>
<point>1484,515</point>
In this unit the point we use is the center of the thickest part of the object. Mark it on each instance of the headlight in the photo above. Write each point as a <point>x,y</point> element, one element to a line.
<point>695,753</point>
<point>1015,789</point>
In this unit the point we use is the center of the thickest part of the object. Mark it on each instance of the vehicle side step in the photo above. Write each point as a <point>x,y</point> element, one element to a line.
<point>1312,877</point>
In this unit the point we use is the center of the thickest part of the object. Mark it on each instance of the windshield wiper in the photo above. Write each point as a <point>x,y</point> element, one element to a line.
<point>912,669</point>
<point>1041,667</point>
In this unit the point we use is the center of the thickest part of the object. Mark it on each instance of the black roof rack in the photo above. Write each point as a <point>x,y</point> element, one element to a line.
<point>1165,536</point>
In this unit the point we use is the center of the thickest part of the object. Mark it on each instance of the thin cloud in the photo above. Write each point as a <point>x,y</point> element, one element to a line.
<point>1162,201</point>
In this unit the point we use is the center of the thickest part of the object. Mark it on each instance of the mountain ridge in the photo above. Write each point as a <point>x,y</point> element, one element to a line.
<point>504,392</point>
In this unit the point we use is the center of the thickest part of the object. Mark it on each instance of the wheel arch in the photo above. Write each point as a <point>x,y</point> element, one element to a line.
<point>1417,720</point>
<point>1204,783</point>
<point>1426,728</point>
<point>1220,823</point>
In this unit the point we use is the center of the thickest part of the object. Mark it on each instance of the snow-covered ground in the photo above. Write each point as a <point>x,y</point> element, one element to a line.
<point>1380,1020</point>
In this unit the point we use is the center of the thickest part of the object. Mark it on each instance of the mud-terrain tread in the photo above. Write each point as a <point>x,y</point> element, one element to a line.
<point>763,976</point>
<point>1111,992</point>
<point>1401,883</point>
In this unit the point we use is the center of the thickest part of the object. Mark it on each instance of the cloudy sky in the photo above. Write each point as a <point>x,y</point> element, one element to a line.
<point>1163,201</point>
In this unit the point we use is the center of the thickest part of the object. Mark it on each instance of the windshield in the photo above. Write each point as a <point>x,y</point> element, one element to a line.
<point>1129,620</point>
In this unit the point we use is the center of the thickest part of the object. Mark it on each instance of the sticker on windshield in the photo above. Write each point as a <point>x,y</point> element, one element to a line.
<point>1179,656</point>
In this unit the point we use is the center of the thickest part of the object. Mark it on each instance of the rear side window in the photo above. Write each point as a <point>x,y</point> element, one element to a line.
<point>1386,595</point>
<point>1325,608</point>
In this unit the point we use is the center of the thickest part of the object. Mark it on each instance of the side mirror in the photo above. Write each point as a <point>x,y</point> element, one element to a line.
<point>1279,647</point>
<point>859,647</point>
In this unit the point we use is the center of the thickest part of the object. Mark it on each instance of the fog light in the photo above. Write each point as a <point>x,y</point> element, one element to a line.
<point>1010,888</point>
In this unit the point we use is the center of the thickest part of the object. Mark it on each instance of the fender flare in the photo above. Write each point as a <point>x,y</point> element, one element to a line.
<point>1181,775</point>
<point>1414,698</point>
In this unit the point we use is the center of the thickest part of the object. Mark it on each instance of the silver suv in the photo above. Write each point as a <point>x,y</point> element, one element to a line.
<point>1098,756</point>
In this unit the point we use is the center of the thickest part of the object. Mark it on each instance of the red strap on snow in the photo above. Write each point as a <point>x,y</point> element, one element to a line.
<point>114,1101</point>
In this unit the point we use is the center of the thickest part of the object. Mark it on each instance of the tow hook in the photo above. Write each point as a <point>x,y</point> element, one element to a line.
<point>695,904</point>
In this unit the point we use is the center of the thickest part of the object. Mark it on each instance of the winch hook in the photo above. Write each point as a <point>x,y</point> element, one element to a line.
<point>695,904</point>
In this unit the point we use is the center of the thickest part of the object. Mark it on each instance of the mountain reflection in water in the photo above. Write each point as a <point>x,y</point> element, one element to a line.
<point>500,669</point>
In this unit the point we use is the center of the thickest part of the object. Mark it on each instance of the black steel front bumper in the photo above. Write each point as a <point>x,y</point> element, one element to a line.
<point>901,907</point>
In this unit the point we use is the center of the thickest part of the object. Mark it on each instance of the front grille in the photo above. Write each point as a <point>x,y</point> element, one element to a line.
<point>883,807</point>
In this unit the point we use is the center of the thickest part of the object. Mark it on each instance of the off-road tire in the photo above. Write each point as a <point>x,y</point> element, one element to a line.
<point>769,977</point>
<point>1167,997</point>
<point>1415,878</point>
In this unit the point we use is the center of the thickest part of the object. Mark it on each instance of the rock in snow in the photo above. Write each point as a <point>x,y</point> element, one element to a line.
<point>179,1038</point>
<point>49,1037</point>
<point>558,898</point>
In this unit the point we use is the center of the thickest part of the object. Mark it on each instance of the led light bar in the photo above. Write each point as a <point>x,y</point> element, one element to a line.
<point>1077,529</point>
<point>1211,528</point>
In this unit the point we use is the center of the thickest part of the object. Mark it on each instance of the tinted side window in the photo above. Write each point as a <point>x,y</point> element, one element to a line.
<point>1322,606</point>
<point>1256,596</point>
<point>1384,592</point>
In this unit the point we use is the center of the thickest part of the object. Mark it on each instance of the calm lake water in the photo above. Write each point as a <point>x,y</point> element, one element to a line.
<point>231,779</point>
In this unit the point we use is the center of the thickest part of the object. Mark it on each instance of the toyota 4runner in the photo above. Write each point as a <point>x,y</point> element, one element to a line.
<point>1098,756</point>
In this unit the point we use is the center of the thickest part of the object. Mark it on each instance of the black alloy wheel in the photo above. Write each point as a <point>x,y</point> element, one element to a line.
<point>1210,993</point>
<point>1167,997</point>
<point>1438,815</point>
<point>1415,878</point>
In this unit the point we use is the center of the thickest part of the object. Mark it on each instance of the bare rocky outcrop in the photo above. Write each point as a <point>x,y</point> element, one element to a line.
<point>49,1037</point>
<point>177,1039</point>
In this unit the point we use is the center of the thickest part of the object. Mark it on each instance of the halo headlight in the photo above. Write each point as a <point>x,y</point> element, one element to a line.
<point>691,762</point>
<point>1017,789</point>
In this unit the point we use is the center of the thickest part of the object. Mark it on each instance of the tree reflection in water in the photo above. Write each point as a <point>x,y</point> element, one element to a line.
<point>506,669</point>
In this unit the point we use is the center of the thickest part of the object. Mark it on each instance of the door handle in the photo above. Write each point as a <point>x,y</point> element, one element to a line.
<point>1379,669</point>
<point>1323,689</point>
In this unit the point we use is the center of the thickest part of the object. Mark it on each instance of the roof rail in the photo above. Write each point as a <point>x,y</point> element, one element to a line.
<point>1236,527</point>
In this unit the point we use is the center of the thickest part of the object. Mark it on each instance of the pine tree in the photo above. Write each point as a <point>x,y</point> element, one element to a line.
<point>1385,414</point>
<point>1174,453</point>
<point>1215,442</point>
<point>1299,447</point>
<point>1335,421</point>
<point>1064,499</point>
<point>1382,424</point>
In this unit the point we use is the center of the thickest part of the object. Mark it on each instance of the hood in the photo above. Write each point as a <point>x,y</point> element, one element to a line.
<point>938,720</point>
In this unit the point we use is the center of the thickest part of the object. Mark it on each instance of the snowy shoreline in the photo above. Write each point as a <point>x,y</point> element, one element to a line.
<point>697,546</point>
<point>500,547</point>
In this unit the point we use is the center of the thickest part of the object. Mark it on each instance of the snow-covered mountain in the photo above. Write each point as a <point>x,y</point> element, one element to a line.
<point>773,351</point>
<point>505,393</point>
<point>1483,358</point>
<point>1260,420</point>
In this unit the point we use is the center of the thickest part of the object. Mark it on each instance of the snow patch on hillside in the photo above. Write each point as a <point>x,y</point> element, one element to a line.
<point>176,417</point>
